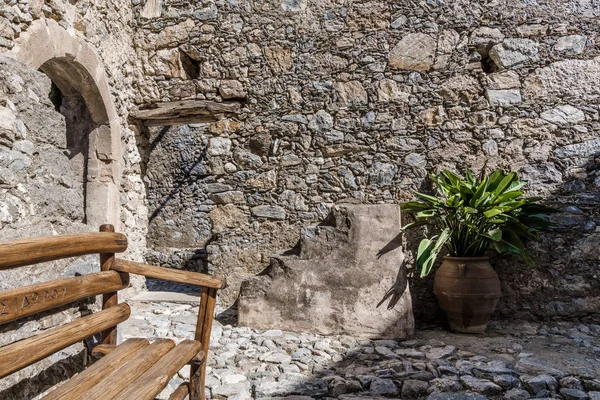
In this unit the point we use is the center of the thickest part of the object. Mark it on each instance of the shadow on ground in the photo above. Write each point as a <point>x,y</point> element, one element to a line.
<point>513,361</point>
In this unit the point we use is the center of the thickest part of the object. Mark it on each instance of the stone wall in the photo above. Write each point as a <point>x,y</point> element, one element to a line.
<point>42,193</point>
<point>344,102</point>
<point>356,102</point>
<point>63,173</point>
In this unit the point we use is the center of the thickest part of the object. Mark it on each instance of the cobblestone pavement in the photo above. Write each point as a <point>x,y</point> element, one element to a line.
<point>515,361</point>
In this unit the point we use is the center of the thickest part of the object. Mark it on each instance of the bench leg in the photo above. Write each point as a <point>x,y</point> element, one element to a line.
<point>205,318</point>
<point>109,336</point>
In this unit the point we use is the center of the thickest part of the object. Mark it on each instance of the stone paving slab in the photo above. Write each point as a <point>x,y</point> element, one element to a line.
<point>534,361</point>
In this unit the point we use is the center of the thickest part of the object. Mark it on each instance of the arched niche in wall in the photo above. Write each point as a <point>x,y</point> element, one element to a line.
<point>77,71</point>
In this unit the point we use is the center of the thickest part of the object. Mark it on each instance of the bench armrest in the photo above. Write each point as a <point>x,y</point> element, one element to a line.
<point>169,274</point>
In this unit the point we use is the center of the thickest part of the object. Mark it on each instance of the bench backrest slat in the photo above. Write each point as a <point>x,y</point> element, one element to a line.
<point>28,351</point>
<point>31,251</point>
<point>21,302</point>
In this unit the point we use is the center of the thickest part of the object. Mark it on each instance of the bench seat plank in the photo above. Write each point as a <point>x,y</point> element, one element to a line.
<point>96,372</point>
<point>155,379</point>
<point>123,376</point>
<point>28,351</point>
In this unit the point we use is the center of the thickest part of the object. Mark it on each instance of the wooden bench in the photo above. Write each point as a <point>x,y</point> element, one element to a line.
<point>135,369</point>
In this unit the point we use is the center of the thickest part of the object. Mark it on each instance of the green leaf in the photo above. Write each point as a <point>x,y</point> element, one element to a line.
<point>494,179</point>
<point>493,212</point>
<point>513,242</point>
<point>507,196</point>
<point>469,177</point>
<point>431,199</point>
<point>527,259</point>
<point>479,193</point>
<point>419,222</point>
<point>431,255</point>
<point>414,206</point>
<point>426,214</point>
<point>516,185</point>
<point>423,252</point>
<point>494,234</point>
<point>504,183</point>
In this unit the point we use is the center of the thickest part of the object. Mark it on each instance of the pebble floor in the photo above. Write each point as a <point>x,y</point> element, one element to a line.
<point>514,361</point>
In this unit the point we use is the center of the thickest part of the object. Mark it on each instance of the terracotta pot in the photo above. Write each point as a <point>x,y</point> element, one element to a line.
<point>467,289</point>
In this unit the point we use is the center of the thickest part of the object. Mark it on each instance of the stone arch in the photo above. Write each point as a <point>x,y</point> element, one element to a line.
<point>76,69</point>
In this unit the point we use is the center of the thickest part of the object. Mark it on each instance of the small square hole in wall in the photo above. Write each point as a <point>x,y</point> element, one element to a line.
<point>488,65</point>
<point>190,66</point>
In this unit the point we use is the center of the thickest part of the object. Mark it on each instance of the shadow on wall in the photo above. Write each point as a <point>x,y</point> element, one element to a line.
<point>183,177</point>
<point>36,385</point>
<point>563,284</point>
<point>307,366</point>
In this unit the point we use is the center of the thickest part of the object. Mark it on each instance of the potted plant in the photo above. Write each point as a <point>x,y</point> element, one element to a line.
<point>471,215</point>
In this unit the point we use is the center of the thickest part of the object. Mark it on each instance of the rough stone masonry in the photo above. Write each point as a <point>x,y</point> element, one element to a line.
<point>356,102</point>
<point>344,102</point>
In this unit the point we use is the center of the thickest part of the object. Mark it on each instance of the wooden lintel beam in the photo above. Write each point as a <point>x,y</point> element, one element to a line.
<point>197,119</point>
<point>175,111</point>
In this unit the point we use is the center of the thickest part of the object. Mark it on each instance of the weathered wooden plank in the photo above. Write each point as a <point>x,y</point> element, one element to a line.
<point>31,251</point>
<point>122,377</point>
<point>109,336</point>
<point>155,379</point>
<point>196,119</point>
<point>21,302</point>
<point>25,352</point>
<point>169,274</point>
<point>81,383</point>
<point>183,108</point>
<point>208,300</point>
<point>180,393</point>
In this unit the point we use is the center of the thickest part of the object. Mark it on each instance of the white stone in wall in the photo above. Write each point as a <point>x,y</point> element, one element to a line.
<point>175,34</point>
<point>583,149</point>
<point>351,93</point>
<point>513,52</point>
<point>232,89</point>
<point>271,212</point>
<point>578,79</point>
<point>219,146</point>
<point>564,114</point>
<point>294,5</point>
<point>152,9</point>
<point>484,37</point>
<point>503,97</point>
<point>433,116</point>
<point>415,51</point>
<point>416,160</point>
<point>390,91</point>
<point>574,44</point>
<point>503,80</point>
<point>321,121</point>
<point>532,30</point>
<point>490,147</point>
<point>168,62</point>
<point>7,118</point>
